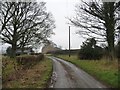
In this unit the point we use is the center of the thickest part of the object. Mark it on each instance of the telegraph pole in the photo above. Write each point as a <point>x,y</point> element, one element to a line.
<point>69,41</point>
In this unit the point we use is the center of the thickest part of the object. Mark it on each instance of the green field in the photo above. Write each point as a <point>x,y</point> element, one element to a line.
<point>103,70</point>
<point>36,77</point>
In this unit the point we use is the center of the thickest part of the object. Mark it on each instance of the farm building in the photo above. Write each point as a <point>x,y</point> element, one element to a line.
<point>50,48</point>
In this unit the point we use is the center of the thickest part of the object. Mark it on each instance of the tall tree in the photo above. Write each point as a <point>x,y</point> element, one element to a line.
<point>98,19</point>
<point>24,23</point>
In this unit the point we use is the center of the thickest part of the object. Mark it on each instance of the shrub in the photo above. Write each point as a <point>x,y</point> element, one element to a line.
<point>40,57</point>
<point>89,50</point>
<point>8,51</point>
<point>29,60</point>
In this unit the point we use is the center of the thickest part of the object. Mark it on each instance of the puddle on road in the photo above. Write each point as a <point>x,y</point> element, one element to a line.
<point>53,80</point>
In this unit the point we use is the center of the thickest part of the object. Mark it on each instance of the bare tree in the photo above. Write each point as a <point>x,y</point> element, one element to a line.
<point>98,19</point>
<point>25,23</point>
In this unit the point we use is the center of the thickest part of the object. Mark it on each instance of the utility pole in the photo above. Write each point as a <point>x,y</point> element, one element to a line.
<point>69,41</point>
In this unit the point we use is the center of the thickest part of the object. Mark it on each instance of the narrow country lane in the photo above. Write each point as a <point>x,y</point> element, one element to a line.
<point>67,75</point>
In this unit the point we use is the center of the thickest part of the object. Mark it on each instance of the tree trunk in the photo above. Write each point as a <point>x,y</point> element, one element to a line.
<point>110,41</point>
<point>22,49</point>
<point>110,27</point>
<point>13,53</point>
<point>110,38</point>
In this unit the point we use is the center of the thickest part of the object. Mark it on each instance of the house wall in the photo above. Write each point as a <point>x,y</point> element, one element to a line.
<point>49,48</point>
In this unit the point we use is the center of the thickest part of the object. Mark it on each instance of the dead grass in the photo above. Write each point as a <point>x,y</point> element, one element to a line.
<point>35,77</point>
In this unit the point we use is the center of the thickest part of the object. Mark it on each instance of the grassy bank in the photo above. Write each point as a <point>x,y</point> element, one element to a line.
<point>35,77</point>
<point>103,70</point>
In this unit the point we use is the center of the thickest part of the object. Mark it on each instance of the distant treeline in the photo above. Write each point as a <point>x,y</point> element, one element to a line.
<point>73,51</point>
<point>90,51</point>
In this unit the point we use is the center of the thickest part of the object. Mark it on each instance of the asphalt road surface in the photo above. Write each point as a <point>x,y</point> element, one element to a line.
<point>67,75</point>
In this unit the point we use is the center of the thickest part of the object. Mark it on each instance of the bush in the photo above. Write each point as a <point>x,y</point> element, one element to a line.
<point>90,53</point>
<point>29,60</point>
<point>8,51</point>
<point>90,50</point>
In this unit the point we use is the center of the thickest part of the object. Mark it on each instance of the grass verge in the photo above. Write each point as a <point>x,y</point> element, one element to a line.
<point>103,70</point>
<point>35,77</point>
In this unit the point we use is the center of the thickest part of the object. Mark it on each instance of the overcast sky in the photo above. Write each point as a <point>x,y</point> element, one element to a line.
<point>61,9</point>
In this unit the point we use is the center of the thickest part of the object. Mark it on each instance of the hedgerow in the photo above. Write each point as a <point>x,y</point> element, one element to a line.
<point>29,60</point>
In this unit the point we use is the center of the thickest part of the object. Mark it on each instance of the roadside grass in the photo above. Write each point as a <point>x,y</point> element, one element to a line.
<point>35,77</point>
<point>7,67</point>
<point>104,70</point>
